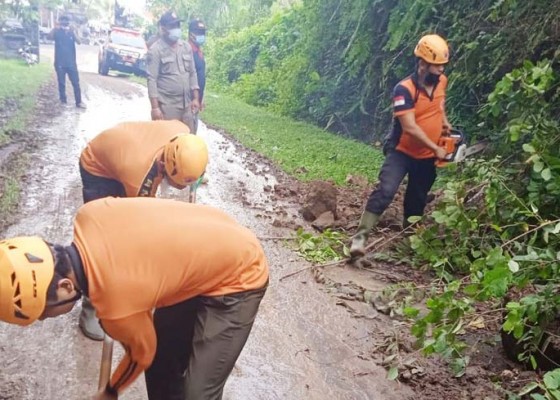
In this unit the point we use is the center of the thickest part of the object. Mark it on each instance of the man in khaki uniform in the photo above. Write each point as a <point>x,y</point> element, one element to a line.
<point>172,81</point>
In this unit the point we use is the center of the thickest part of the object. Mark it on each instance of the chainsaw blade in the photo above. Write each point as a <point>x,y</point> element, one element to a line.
<point>464,152</point>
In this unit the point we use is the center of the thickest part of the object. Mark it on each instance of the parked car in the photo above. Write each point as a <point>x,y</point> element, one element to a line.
<point>12,36</point>
<point>125,51</point>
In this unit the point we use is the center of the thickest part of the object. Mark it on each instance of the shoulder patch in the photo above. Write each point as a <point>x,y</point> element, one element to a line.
<point>398,101</point>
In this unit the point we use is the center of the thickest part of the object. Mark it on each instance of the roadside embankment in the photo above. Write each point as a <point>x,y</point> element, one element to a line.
<point>22,88</point>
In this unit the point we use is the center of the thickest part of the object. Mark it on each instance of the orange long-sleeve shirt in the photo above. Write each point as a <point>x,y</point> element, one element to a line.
<point>127,152</point>
<point>140,254</point>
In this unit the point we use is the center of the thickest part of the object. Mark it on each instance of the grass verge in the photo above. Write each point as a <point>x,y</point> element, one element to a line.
<point>18,90</point>
<point>300,149</point>
<point>10,178</point>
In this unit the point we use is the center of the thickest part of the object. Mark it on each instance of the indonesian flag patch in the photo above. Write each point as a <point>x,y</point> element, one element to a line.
<point>398,101</point>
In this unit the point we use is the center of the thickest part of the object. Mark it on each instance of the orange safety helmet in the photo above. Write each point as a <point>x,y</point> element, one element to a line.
<point>433,49</point>
<point>185,157</point>
<point>26,271</point>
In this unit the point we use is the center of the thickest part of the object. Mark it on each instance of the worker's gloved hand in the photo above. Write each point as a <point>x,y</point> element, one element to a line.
<point>104,395</point>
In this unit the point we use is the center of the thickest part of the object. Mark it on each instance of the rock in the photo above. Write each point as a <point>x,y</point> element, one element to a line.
<point>357,180</point>
<point>321,197</point>
<point>325,220</point>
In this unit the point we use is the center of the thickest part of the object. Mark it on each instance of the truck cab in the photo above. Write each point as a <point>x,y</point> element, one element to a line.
<point>125,51</point>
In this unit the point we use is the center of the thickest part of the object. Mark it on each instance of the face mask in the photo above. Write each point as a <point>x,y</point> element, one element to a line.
<point>431,79</point>
<point>174,34</point>
<point>200,39</point>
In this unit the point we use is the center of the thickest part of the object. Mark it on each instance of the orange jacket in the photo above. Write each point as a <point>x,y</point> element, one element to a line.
<point>140,254</point>
<point>428,113</point>
<point>127,152</point>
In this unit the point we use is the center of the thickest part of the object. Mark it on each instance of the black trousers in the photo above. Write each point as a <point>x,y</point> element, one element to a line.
<point>72,73</point>
<point>97,187</point>
<point>198,342</point>
<point>421,176</point>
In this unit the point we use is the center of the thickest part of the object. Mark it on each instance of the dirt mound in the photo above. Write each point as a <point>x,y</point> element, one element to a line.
<point>321,198</point>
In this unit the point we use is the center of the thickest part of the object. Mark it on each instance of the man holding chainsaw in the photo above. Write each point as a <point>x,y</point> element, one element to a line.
<point>412,146</point>
<point>130,160</point>
<point>178,284</point>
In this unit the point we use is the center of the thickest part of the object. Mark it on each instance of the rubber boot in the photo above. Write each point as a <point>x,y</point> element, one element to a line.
<point>89,324</point>
<point>367,222</point>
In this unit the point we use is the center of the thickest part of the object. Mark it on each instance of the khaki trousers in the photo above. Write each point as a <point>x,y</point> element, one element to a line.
<point>179,112</point>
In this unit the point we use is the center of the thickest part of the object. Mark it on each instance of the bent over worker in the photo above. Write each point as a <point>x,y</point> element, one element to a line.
<point>202,273</point>
<point>131,159</point>
<point>419,121</point>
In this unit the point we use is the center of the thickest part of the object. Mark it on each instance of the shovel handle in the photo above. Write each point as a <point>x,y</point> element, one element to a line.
<point>106,362</point>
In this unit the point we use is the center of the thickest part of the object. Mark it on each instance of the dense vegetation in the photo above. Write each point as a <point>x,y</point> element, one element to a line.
<point>334,63</point>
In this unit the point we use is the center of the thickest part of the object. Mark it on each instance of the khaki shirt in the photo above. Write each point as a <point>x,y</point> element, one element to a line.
<point>171,73</point>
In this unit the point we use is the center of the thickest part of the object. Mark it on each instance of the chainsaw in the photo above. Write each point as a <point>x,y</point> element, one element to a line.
<point>456,148</point>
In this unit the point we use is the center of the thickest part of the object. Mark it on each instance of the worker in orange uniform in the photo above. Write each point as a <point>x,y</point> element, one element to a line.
<point>130,160</point>
<point>199,277</point>
<point>412,147</point>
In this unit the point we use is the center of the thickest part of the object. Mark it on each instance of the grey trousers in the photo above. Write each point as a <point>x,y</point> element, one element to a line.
<point>179,112</point>
<point>198,342</point>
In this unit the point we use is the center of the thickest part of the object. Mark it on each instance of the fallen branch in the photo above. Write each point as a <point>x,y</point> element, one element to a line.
<point>314,266</point>
<point>277,238</point>
<point>329,264</point>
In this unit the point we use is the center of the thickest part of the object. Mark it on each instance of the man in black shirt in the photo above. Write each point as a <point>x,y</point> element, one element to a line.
<point>65,40</point>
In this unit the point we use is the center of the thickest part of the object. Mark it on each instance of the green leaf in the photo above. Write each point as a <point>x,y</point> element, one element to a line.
<point>497,280</point>
<point>459,366</point>
<point>537,396</point>
<point>513,266</point>
<point>528,388</point>
<point>552,379</point>
<point>528,148</point>
<point>538,166</point>
<point>411,312</point>
<point>546,174</point>
<point>532,358</point>
<point>393,373</point>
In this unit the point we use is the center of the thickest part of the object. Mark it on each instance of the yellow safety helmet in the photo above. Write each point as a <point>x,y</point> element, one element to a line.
<point>433,49</point>
<point>185,157</point>
<point>26,271</point>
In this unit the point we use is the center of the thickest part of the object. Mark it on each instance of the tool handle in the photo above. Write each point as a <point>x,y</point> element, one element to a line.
<point>106,361</point>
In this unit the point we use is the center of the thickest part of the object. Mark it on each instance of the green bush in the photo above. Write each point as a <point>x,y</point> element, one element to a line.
<point>497,226</point>
<point>335,63</point>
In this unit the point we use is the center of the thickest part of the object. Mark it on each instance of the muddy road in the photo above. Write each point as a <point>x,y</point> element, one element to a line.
<point>303,346</point>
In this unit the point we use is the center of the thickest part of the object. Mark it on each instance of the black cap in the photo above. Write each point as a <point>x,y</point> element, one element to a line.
<point>169,18</point>
<point>197,26</point>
